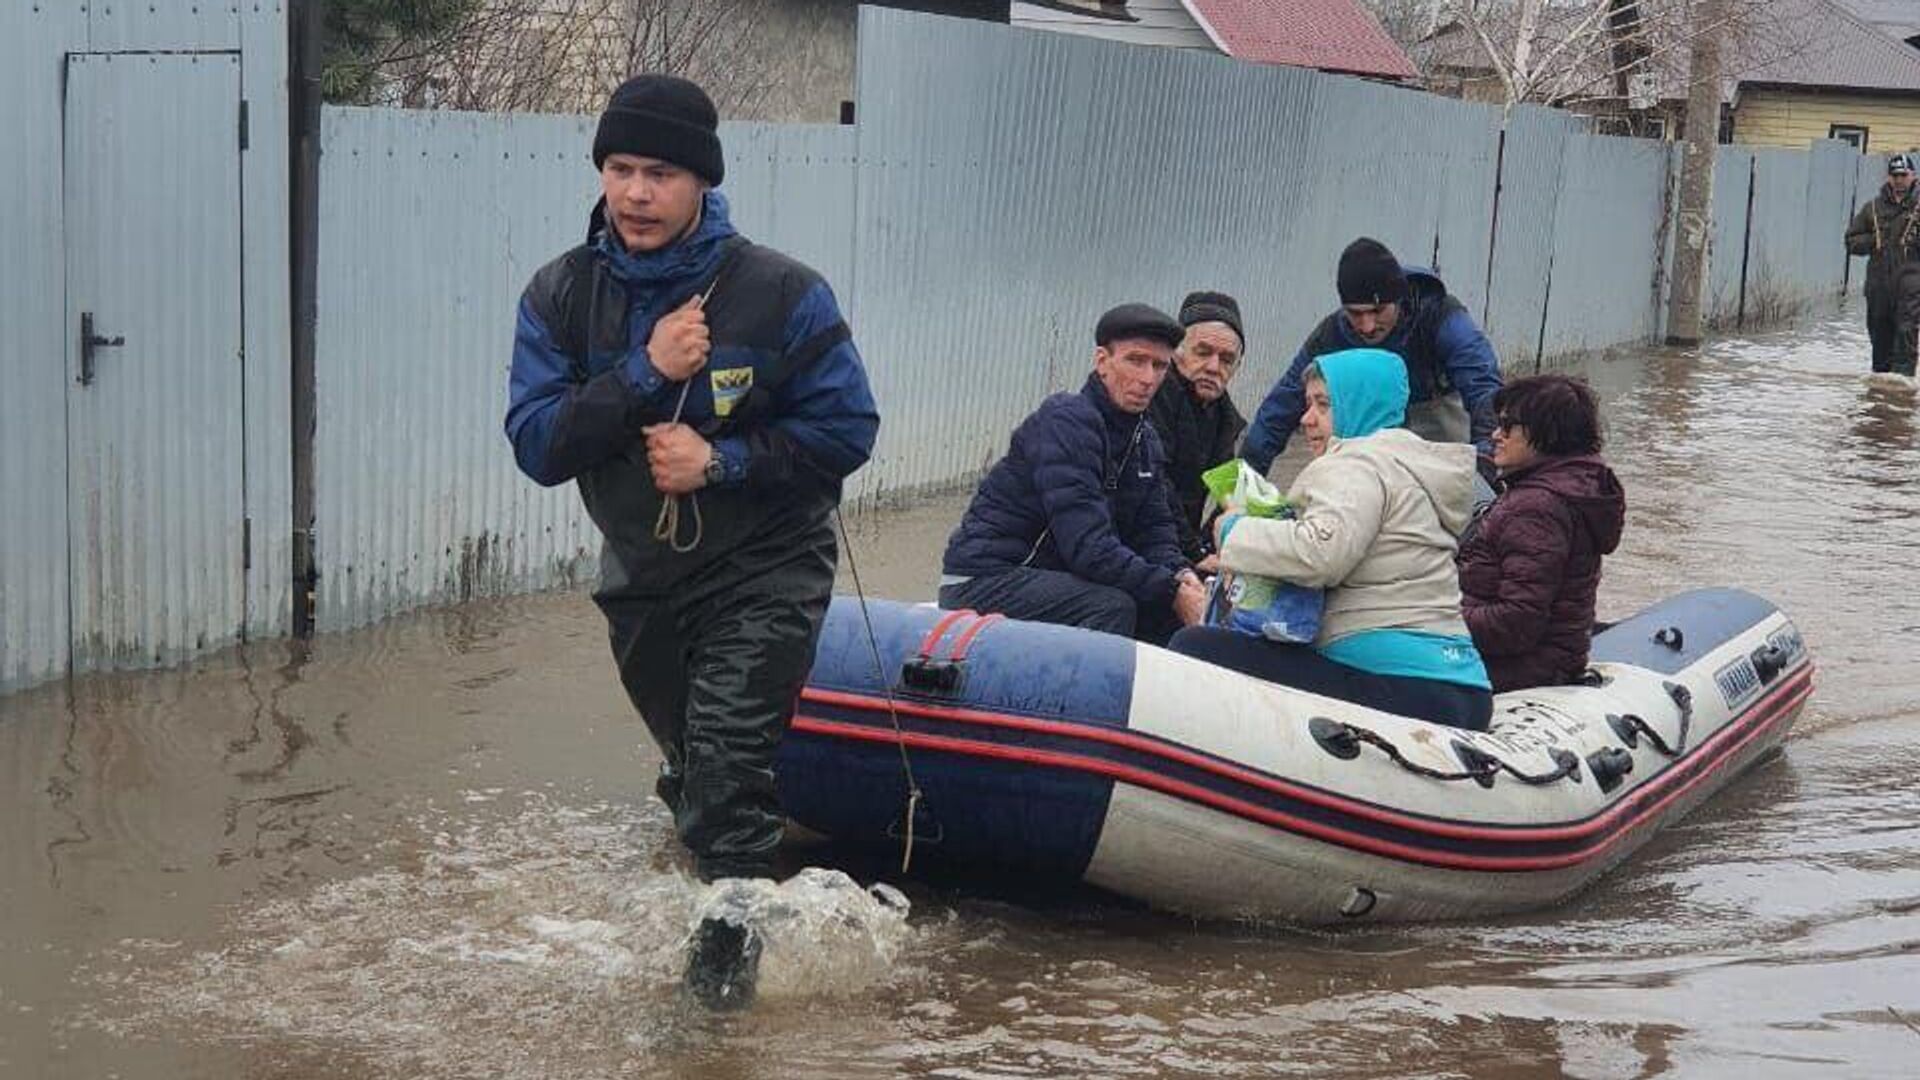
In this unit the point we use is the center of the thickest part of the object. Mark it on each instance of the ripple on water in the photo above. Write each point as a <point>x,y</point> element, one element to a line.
<point>548,943</point>
<point>1771,933</point>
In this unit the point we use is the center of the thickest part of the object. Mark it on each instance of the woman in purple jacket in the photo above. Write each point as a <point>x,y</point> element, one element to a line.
<point>1530,571</point>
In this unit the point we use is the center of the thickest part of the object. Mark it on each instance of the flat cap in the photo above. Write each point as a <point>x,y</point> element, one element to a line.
<point>1138,321</point>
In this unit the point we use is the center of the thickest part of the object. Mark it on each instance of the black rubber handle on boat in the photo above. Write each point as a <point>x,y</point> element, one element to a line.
<point>1482,765</point>
<point>931,676</point>
<point>1630,728</point>
<point>1626,727</point>
<point>1768,662</point>
<point>1609,766</point>
<point>1683,701</point>
<point>1334,737</point>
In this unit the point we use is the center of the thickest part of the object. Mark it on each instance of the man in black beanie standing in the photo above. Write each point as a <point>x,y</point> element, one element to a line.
<point>1452,371</point>
<point>1198,425</point>
<point>705,394</point>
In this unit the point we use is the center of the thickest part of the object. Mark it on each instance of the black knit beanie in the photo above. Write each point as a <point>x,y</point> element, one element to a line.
<point>664,117</point>
<point>1201,307</point>
<point>1369,274</point>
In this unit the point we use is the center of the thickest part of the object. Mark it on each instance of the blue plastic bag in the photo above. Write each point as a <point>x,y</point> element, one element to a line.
<point>1264,608</point>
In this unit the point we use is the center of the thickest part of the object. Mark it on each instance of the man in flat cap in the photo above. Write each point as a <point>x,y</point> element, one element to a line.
<point>1452,371</point>
<point>705,394</point>
<point>1072,526</point>
<point>1887,231</point>
<point>1198,425</point>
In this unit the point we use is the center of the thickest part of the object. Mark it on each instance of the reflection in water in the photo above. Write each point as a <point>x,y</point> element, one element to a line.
<point>1885,422</point>
<point>60,785</point>
<point>428,848</point>
<point>290,737</point>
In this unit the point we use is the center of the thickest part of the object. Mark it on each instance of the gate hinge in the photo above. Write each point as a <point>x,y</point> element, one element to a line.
<point>243,123</point>
<point>246,543</point>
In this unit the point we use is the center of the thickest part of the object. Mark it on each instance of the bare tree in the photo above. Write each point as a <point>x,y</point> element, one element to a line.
<point>568,55</point>
<point>1407,22</point>
<point>1569,53</point>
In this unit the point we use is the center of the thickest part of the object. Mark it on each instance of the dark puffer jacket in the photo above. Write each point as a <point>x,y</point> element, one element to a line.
<point>1445,351</point>
<point>1886,229</point>
<point>1530,573</point>
<point>1080,490</point>
<point>1197,435</point>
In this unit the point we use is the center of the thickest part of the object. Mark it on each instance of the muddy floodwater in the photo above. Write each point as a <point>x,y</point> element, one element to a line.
<point>429,849</point>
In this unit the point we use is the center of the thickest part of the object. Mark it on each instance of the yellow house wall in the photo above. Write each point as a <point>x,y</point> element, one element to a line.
<point>1777,118</point>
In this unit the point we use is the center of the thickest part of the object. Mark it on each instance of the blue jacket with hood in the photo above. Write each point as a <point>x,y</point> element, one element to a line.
<point>783,398</point>
<point>1444,351</point>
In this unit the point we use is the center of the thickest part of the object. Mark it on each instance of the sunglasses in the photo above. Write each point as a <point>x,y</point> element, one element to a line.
<point>1504,423</point>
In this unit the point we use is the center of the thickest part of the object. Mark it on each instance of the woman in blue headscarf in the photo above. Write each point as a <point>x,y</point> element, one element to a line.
<point>1379,513</point>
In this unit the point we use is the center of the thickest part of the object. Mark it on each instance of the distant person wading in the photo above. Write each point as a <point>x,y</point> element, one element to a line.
<point>1887,231</point>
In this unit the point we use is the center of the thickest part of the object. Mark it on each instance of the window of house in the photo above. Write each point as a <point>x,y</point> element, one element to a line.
<point>1852,134</point>
<point>1641,127</point>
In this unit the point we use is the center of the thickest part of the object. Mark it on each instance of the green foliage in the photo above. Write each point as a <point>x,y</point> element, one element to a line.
<point>360,36</point>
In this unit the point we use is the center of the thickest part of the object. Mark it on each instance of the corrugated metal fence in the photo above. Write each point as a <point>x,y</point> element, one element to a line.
<point>431,223</point>
<point>144,514</point>
<point>1000,190</point>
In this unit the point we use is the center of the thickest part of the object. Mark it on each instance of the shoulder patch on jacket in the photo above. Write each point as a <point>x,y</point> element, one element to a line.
<point>729,386</point>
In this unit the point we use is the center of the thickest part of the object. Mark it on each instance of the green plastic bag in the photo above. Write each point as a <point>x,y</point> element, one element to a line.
<point>1248,603</point>
<point>1238,489</point>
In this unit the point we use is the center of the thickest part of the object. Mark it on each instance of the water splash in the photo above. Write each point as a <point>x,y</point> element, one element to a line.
<point>823,934</point>
<point>546,944</point>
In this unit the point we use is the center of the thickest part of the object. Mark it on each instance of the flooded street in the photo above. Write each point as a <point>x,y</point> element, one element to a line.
<point>430,849</point>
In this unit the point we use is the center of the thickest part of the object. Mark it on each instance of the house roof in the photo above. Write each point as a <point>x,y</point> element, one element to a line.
<point>1840,51</point>
<point>1331,35</point>
<point>1900,18</point>
<point>1818,44</point>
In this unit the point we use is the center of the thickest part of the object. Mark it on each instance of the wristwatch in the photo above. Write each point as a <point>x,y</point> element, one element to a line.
<point>716,468</point>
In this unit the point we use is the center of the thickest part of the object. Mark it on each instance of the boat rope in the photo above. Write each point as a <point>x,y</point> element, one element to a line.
<point>1343,740</point>
<point>667,526</point>
<point>914,793</point>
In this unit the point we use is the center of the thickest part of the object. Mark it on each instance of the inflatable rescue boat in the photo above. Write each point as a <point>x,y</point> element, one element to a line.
<point>1046,751</point>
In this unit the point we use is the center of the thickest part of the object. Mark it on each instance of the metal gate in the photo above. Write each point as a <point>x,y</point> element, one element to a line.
<point>156,527</point>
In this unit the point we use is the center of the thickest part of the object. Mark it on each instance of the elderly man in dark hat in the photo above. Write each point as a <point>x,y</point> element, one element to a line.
<point>705,394</point>
<point>1887,231</point>
<point>1072,526</point>
<point>1452,371</point>
<point>1198,425</point>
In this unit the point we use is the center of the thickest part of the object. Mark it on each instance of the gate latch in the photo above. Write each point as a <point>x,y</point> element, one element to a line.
<point>89,342</point>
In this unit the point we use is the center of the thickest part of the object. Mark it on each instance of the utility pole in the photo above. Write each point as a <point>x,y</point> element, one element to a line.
<point>1694,216</point>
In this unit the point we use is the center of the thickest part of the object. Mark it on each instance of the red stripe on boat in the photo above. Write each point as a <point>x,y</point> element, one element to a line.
<point>1754,720</point>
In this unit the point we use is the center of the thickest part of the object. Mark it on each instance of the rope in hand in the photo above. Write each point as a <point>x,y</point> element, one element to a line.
<point>666,527</point>
<point>880,669</point>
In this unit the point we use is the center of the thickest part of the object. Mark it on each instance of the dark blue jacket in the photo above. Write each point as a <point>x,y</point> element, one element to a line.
<point>1082,490</point>
<point>783,397</point>
<point>1441,344</point>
